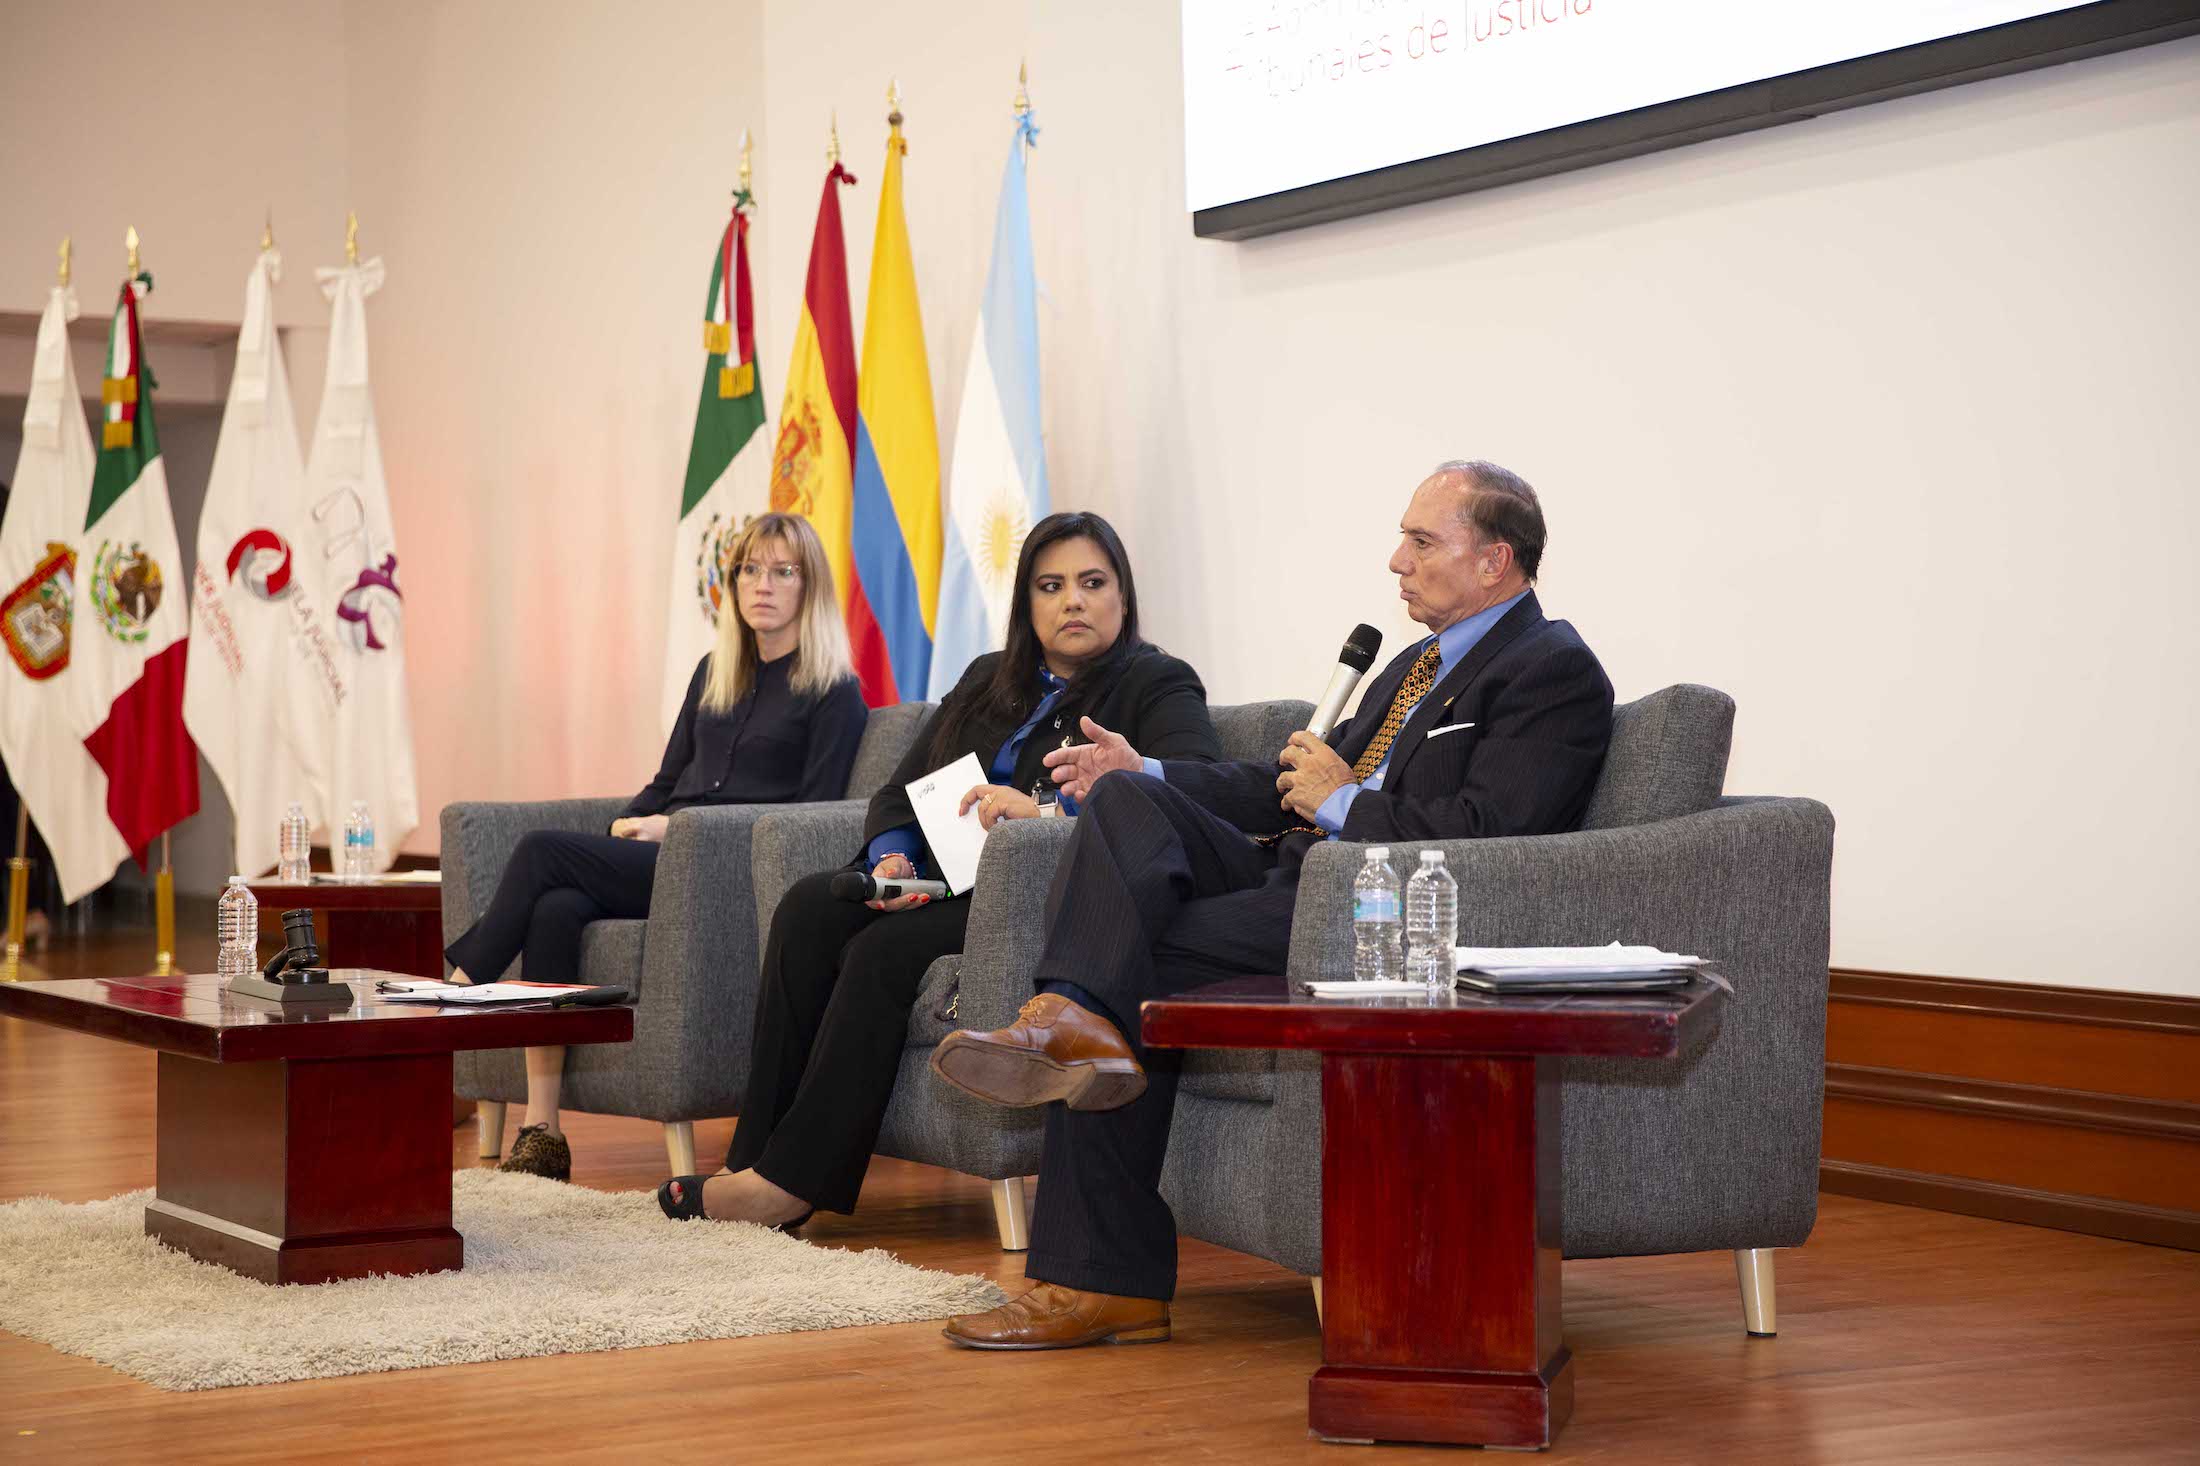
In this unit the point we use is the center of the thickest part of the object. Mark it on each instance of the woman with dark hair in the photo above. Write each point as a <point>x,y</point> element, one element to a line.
<point>840,977</point>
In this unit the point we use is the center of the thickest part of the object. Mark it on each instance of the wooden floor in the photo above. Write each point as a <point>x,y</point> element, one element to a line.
<point>1905,1336</point>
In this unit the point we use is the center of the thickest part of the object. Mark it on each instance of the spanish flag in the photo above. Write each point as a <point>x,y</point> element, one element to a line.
<point>813,462</point>
<point>897,482</point>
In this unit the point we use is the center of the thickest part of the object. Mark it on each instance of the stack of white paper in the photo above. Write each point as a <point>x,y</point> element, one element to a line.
<point>1612,961</point>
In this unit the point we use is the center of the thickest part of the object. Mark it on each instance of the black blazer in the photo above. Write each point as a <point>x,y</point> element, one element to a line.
<point>1540,708</point>
<point>1151,698</point>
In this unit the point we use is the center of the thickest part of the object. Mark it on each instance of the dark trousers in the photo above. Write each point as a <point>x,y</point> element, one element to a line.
<point>1154,896</point>
<point>554,885</point>
<point>831,1023</point>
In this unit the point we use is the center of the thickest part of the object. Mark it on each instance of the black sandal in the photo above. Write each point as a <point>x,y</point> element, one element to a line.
<point>690,1205</point>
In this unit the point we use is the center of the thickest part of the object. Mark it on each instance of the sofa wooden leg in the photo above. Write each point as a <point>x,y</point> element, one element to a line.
<point>1753,1266</point>
<point>1012,1212</point>
<point>1317,1282</point>
<point>489,1125</point>
<point>680,1146</point>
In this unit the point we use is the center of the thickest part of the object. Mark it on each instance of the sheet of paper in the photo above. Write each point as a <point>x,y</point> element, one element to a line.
<point>479,994</point>
<point>1351,989</point>
<point>1541,961</point>
<point>954,839</point>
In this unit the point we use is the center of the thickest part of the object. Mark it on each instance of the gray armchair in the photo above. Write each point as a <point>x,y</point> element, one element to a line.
<point>988,981</point>
<point>1716,1151</point>
<point>692,963</point>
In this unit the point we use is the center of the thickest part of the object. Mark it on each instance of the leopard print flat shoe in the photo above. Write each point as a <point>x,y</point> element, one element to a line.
<point>537,1152</point>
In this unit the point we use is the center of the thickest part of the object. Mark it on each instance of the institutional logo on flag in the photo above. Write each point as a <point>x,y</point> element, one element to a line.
<point>34,619</point>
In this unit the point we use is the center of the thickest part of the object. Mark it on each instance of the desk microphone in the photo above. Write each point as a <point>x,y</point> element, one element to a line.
<point>1352,664</point>
<point>859,885</point>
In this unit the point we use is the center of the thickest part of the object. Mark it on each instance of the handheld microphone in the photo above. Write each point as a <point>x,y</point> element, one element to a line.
<point>1352,664</point>
<point>861,885</point>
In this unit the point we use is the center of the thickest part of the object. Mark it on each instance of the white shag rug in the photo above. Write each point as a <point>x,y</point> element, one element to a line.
<point>550,1269</point>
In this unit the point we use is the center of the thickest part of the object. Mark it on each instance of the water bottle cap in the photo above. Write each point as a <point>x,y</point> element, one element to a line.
<point>236,880</point>
<point>1377,852</point>
<point>1432,857</point>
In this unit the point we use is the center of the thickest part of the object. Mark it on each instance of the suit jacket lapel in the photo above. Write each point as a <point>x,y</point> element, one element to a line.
<point>1440,698</point>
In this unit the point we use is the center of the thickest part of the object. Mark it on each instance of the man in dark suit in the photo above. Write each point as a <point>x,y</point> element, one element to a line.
<point>1183,874</point>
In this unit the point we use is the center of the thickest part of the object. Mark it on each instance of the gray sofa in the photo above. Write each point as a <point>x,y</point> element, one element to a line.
<point>1716,1151</point>
<point>692,964</point>
<point>926,1120</point>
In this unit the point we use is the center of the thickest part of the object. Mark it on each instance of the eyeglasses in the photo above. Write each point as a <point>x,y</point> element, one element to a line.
<point>783,571</point>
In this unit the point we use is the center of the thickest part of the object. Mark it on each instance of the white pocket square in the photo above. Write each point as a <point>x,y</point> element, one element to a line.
<point>1447,728</point>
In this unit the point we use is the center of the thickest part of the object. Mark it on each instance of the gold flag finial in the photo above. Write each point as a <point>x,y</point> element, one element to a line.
<point>130,239</point>
<point>747,193</point>
<point>66,249</point>
<point>267,234</point>
<point>832,143</point>
<point>351,238</point>
<point>1022,103</point>
<point>893,103</point>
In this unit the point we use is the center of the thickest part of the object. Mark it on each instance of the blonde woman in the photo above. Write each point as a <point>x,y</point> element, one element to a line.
<point>772,716</point>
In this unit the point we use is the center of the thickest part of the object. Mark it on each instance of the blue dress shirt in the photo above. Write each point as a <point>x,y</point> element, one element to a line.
<point>908,840</point>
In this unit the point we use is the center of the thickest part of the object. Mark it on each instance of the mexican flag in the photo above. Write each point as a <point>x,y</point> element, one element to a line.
<point>128,625</point>
<point>724,485</point>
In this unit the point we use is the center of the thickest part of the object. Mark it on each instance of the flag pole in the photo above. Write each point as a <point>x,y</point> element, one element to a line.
<point>19,896</point>
<point>164,914</point>
<point>1022,105</point>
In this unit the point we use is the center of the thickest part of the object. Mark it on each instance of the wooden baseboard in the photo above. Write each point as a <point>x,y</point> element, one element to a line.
<point>2132,1223</point>
<point>2058,1107</point>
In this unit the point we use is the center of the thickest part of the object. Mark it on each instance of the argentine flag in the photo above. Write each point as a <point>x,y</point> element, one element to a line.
<point>998,488</point>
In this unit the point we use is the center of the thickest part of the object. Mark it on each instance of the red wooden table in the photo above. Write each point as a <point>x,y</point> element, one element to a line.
<point>390,922</point>
<point>306,1145</point>
<point>1440,1191</point>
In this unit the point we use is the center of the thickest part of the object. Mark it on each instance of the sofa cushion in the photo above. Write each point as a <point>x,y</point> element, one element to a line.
<point>611,954</point>
<point>1254,732</point>
<point>1668,757</point>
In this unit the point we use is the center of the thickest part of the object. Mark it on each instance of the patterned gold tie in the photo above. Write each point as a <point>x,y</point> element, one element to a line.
<point>1420,677</point>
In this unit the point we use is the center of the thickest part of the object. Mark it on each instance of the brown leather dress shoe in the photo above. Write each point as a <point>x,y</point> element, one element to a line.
<point>1053,1317</point>
<point>1055,1050</point>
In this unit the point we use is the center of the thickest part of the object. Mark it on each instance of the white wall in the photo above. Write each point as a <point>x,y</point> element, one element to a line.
<point>1883,422</point>
<point>193,122</point>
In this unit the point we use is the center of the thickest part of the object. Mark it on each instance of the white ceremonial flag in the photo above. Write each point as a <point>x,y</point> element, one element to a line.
<point>62,786</point>
<point>355,569</point>
<point>265,676</point>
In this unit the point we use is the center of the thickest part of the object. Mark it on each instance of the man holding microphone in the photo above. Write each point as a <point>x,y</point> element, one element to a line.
<point>1183,874</point>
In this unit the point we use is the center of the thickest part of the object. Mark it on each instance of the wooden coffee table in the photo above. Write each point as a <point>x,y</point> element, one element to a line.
<point>1440,1191</point>
<point>393,922</point>
<point>308,1144</point>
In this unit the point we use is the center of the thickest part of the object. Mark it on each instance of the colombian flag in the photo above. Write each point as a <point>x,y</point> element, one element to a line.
<point>813,462</point>
<point>897,479</point>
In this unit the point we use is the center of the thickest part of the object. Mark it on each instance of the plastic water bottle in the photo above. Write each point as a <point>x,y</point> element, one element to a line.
<point>1376,954</point>
<point>294,855</point>
<point>359,843</point>
<point>1432,922</point>
<point>237,928</point>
